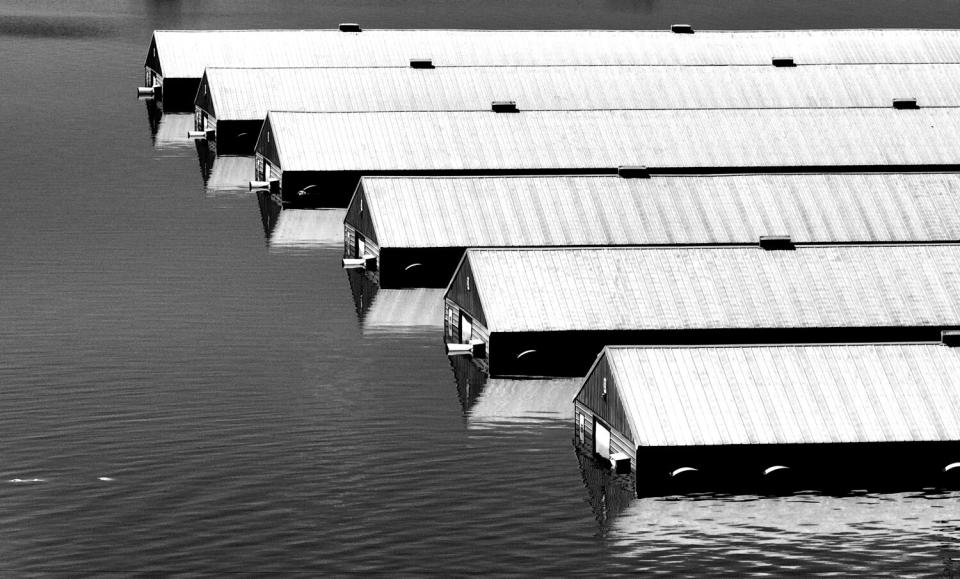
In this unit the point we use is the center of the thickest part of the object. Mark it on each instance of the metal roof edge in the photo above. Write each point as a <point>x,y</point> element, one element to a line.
<point>708,246</point>
<point>590,371</point>
<point>617,347</point>
<point>456,271</point>
<point>658,30</point>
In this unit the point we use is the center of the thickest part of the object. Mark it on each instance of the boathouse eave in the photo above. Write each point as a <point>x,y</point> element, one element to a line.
<point>593,368</point>
<point>204,99</point>
<point>267,145</point>
<point>362,222</point>
<point>457,292</point>
<point>152,60</point>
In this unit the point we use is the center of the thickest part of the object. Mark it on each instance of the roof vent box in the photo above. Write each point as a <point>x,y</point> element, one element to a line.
<point>908,103</point>
<point>681,29</point>
<point>421,63</point>
<point>783,61</point>
<point>776,242</point>
<point>349,27</point>
<point>504,106</point>
<point>633,172</point>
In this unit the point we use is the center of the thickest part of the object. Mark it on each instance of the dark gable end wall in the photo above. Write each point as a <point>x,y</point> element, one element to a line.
<point>469,301</point>
<point>268,148</point>
<point>361,222</point>
<point>610,410</point>
<point>204,100</point>
<point>153,60</point>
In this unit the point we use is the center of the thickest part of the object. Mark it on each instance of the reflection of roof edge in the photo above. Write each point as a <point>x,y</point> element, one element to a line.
<point>506,402</point>
<point>308,228</point>
<point>405,310</point>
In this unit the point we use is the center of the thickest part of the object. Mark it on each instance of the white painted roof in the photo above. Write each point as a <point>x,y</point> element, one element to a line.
<point>688,210</point>
<point>185,53</point>
<point>249,93</point>
<point>691,396</point>
<point>591,140</point>
<point>546,290</point>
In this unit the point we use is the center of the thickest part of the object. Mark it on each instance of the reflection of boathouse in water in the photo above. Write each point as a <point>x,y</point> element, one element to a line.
<point>416,229</point>
<point>507,402</point>
<point>297,228</point>
<point>755,417</point>
<point>395,311</point>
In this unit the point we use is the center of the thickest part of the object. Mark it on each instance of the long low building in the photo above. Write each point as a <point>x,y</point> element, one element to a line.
<point>318,158</point>
<point>232,103</point>
<point>551,311</point>
<point>747,415</point>
<point>176,59</point>
<point>416,229</point>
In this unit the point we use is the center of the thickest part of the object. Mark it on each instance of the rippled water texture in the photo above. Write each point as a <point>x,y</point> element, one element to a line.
<point>190,382</point>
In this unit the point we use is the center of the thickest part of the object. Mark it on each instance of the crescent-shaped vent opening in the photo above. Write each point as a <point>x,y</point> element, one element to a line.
<point>775,468</point>
<point>411,266</point>
<point>524,353</point>
<point>951,466</point>
<point>682,470</point>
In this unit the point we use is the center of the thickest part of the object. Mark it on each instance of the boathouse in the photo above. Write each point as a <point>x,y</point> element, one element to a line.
<point>819,415</point>
<point>176,59</point>
<point>318,158</point>
<point>232,102</point>
<point>412,231</point>
<point>551,311</point>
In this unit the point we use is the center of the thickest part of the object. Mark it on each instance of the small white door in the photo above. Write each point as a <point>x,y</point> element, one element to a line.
<point>601,440</point>
<point>466,329</point>
<point>361,247</point>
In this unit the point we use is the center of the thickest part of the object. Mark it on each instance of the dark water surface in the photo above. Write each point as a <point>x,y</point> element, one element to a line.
<point>180,393</point>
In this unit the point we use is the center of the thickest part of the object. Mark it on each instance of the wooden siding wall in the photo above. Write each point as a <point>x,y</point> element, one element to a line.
<point>204,100</point>
<point>350,244</point>
<point>610,410</point>
<point>617,441</point>
<point>361,220</point>
<point>267,145</point>
<point>451,320</point>
<point>451,325</point>
<point>153,58</point>
<point>349,240</point>
<point>468,300</point>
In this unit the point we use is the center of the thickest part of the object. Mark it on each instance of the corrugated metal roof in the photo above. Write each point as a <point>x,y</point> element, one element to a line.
<point>407,310</point>
<point>184,54</point>
<point>247,94</point>
<point>609,210</point>
<point>512,403</point>
<point>546,290</point>
<point>789,394</point>
<point>588,140</point>
<point>308,228</point>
